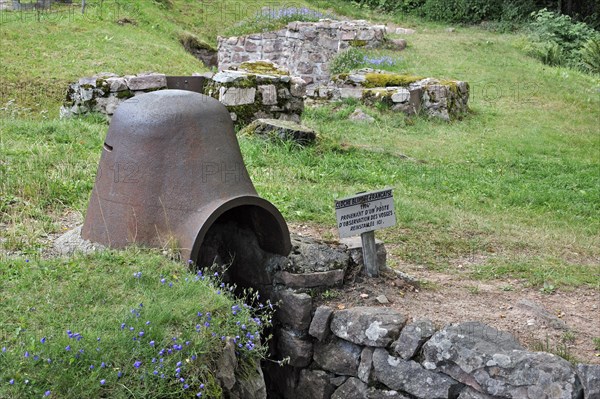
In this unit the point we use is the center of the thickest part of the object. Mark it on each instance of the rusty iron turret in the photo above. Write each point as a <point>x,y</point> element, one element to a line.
<point>171,167</point>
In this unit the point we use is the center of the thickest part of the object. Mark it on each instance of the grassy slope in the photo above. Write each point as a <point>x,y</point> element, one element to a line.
<point>517,180</point>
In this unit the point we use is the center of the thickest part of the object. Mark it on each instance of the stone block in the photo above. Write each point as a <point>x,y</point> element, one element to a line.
<point>237,95</point>
<point>314,384</point>
<point>310,255</point>
<point>276,129</point>
<point>338,356</point>
<point>348,35</point>
<point>147,82</point>
<point>494,363</point>
<point>366,364</point>
<point>354,245</point>
<point>294,309</point>
<point>351,93</point>
<point>470,393</point>
<point>332,278</point>
<point>410,377</point>
<point>117,84</point>
<point>412,337</point>
<point>337,381</point>
<point>589,374</point>
<point>366,34</point>
<point>292,345</point>
<point>374,393</point>
<point>319,326</point>
<point>268,94</point>
<point>372,326</point>
<point>401,95</point>
<point>298,87</point>
<point>404,31</point>
<point>397,44</point>
<point>88,81</point>
<point>108,105</point>
<point>353,388</point>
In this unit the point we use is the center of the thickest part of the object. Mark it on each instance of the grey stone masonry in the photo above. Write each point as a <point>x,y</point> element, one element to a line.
<point>254,91</point>
<point>305,48</point>
<point>104,92</point>
<point>258,90</point>
<point>444,99</point>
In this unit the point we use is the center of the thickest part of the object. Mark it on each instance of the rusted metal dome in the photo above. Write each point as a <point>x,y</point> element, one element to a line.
<point>170,168</point>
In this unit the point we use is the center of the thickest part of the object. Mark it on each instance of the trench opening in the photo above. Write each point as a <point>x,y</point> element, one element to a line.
<point>243,242</point>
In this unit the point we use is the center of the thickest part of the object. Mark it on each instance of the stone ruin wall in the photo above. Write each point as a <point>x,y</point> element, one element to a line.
<point>305,48</point>
<point>247,96</point>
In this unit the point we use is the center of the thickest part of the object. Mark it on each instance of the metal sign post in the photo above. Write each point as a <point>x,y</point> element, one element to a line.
<point>363,214</point>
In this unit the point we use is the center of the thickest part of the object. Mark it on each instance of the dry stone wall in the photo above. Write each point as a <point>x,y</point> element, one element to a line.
<point>444,99</point>
<point>104,92</point>
<point>305,48</point>
<point>247,95</point>
<point>376,352</point>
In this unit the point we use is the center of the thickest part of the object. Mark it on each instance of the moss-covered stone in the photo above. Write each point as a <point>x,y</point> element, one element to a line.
<point>191,42</point>
<point>377,96</point>
<point>389,80</point>
<point>263,68</point>
<point>358,43</point>
<point>124,94</point>
<point>341,77</point>
<point>277,129</point>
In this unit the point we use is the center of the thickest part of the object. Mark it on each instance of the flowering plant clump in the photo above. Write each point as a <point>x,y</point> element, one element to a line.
<point>270,19</point>
<point>355,58</point>
<point>292,14</point>
<point>379,61</point>
<point>166,344</point>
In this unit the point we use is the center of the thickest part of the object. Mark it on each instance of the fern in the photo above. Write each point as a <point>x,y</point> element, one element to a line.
<point>590,55</point>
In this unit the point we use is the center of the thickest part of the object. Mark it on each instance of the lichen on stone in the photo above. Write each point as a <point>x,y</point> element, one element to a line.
<point>263,68</point>
<point>358,43</point>
<point>376,79</point>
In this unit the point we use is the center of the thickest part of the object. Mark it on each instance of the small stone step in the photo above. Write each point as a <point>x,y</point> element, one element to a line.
<point>281,130</point>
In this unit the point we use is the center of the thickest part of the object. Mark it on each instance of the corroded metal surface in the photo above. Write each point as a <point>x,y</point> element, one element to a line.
<point>170,168</point>
<point>191,83</point>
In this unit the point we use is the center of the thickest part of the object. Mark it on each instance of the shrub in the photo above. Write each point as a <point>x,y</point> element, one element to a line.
<point>270,19</point>
<point>550,53</point>
<point>461,11</point>
<point>354,58</point>
<point>557,40</point>
<point>346,61</point>
<point>553,27</point>
<point>590,56</point>
<point>393,5</point>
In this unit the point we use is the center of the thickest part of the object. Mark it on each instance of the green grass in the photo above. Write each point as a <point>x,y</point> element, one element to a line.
<point>514,186</point>
<point>128,307</point>
<point>516,181</point>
